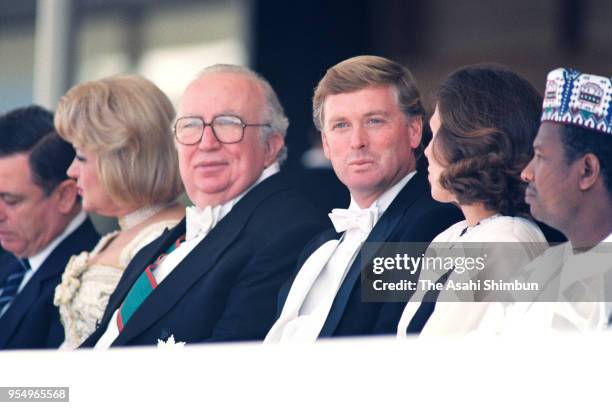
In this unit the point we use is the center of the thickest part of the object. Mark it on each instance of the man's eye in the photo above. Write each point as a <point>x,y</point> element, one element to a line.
<point>227,122</point>
<point>339,125</point>
<point>80,158</point>
<point>190,125</point>
<point>375,121</point>
<point>10,200</point>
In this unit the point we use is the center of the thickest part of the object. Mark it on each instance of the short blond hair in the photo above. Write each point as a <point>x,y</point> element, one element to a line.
<point>363,71</point>
<point>126,121</point>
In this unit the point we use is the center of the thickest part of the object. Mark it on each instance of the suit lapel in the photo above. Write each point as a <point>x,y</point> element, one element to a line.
<point>301,286</point>
<point>308,273</point>
<point>308,251</point>
<point>380,234</point>
<point>20,306</point>
<point>137,266</point>
<point>52,267</point>
<point>198,262</point>
<point>9,264</point>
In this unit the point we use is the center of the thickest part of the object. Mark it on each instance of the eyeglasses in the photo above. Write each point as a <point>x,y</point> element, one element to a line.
<point>227,129</point>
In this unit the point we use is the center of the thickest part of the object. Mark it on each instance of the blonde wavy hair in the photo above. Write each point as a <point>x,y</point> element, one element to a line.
<point>125,120</point>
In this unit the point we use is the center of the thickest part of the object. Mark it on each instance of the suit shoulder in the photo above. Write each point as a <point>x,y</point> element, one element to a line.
<point>287,207</point>
<point>427,206</point>
<point>426,219</point>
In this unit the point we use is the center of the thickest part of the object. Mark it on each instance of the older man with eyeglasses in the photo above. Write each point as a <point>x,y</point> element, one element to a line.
<point>215,277</point>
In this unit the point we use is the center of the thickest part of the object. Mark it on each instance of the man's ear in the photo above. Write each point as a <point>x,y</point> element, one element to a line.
<point>66,196</point>
<point>415,126</point>
<point>274,143</point>
<point>590,171</point>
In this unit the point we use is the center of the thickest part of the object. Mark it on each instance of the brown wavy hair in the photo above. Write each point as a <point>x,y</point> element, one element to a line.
<point>489,117</point>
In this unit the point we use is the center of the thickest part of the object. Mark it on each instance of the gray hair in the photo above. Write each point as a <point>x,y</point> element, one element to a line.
<point>273,110</point>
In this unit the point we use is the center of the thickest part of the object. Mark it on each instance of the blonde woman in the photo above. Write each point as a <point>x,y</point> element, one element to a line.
<point>126,166</point>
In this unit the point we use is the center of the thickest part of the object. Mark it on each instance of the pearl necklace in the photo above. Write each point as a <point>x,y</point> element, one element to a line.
<point>483,221</point>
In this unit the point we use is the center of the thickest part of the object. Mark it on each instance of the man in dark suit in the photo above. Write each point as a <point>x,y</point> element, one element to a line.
<point>369,112</point>
<point>41,227</point>
<point>221,268</point>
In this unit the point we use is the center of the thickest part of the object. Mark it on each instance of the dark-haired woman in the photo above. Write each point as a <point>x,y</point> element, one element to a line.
<point>484,124</point>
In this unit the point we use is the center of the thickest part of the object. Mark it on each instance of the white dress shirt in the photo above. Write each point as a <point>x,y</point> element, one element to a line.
<point>38,259</point>
<point>171,261</point>
<point>320,277</point>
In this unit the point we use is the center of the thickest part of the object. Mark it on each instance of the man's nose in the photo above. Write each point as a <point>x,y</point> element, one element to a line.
<point>209,140</point>
<point>359,137</point>
<point>527,173</point>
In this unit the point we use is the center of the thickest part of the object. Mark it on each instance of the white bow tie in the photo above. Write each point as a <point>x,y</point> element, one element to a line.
<point>347,219</point>
<point>200,221</point>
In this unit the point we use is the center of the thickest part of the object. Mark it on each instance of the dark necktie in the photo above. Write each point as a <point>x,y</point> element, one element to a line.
<point>8,290</point>
<point>428,304</point>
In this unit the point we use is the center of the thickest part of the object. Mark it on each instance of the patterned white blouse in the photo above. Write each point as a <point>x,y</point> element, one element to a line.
<point>83,294</point>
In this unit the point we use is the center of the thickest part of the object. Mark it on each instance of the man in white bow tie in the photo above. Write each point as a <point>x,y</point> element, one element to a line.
<point>370,115</point>
<point>216,275</point>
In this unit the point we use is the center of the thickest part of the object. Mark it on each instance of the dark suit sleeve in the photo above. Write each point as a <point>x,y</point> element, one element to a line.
<point>251,304</point>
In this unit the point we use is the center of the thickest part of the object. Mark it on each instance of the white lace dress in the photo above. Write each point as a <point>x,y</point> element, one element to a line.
<point>83,294</point>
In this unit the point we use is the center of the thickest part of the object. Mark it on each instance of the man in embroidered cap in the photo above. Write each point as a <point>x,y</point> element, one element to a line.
<point>570,175</point>
<point>570,188</point>
<point>370,115</point>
